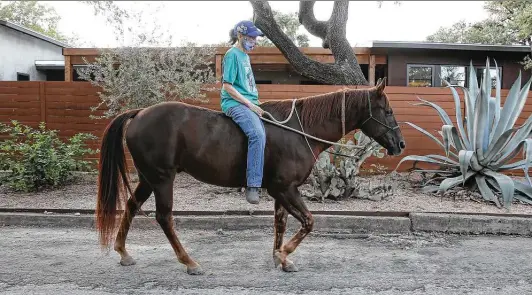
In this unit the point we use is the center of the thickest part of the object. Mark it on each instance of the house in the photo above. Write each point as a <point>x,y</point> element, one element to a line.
<point>415,64</point>
<point>26,55</point>
<point>420,64</point>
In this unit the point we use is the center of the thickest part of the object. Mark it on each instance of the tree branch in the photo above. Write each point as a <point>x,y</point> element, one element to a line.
<point>345,71</point>
<point>340,47</point>
<point>311,24</point>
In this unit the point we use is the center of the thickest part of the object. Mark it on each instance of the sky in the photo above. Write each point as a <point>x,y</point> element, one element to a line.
<point>206,22</point>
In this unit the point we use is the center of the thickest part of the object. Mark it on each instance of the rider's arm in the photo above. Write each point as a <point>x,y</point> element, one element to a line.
<point>236,95</point>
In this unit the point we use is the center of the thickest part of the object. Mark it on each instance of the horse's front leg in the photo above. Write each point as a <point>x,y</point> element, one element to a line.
<point>291,200</point>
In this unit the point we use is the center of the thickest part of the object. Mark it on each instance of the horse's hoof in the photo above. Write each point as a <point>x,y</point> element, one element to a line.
<point>127,261</point>
<point>277,260</point>
<point>290,267</point>
<point>196,270</point>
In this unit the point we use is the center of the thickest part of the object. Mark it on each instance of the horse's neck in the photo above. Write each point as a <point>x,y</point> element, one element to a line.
<point>331,128</point>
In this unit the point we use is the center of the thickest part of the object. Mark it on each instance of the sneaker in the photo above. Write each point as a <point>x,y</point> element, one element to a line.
<point>252,195</point>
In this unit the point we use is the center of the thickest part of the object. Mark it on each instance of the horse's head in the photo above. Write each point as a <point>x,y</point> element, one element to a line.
<point>378,120</point>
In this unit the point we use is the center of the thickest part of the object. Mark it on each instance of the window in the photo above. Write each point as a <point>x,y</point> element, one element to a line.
<point>420,76</point>
<point>455,75</point>
<point>23,77</point>
<point>493,72</point>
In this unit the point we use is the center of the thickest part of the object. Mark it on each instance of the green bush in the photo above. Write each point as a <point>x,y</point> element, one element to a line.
<point>38,158</point>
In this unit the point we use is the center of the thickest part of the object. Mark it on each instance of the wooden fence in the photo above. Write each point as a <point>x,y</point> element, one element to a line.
<point>65,106</point>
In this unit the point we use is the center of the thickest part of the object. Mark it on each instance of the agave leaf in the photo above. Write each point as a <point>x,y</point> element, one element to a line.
<point>488,128</point>
<point>449,183</point>
<point>520,103</point>
<point>506,185</point>
<point>426,133</point>
<point>458,145</point>
<point>446,134</point>
<point>431,136</point>
<point>513,166</point>
<point>443,158</point>
<point>443,115</point>
<point>524,192</point>
<point>473,92</point>
<point>469,111</point>
<point>430,188</point>
<point>497,164</point>
<point>422,159</point>
<point>522,198</point>
<point>515,143</point>
<point>485,190</point>
<point>459,119</point>
<point>497,108</point>
<point>496,148</point>
<point>481,114</point>
<point>465,160</point>
<point>433,171</point>
<point>508,107</point>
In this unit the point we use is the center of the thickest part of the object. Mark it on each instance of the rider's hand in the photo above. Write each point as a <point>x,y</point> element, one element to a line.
<point>256,109</point>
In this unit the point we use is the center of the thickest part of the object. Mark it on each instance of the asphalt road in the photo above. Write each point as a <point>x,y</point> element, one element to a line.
<point>69,261</point>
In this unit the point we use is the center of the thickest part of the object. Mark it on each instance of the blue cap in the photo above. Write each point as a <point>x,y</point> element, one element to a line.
<point>247,28</point>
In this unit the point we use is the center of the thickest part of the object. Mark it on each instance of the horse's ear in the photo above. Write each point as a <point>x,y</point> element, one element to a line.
<point>381,84</point>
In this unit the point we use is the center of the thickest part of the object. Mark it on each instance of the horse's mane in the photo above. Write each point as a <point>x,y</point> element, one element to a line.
<point>313,109</point>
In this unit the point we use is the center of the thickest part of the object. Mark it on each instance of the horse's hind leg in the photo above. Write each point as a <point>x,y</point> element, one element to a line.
<point>163,202</point>
<point>293,203</point>
<point>141,194</point>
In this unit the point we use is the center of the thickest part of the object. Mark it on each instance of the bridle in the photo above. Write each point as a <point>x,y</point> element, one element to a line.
<point>388,128</point>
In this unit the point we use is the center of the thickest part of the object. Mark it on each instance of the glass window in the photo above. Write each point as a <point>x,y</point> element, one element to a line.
<point>493,72</point>
<point>23,77</point>
<point>420,76</point>
<point>455,75</point>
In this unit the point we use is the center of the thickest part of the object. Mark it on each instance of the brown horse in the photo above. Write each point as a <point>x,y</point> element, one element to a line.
<point>174,137</point>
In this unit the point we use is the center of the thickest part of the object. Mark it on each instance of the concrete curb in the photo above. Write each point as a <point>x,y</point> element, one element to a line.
<point>323,223</point>
<point>471,224</point>
<point>347,224</point>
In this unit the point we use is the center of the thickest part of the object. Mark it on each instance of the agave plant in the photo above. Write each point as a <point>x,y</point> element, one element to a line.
<point>476,152</point>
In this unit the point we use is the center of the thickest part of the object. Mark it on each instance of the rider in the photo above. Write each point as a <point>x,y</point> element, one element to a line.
<point>239,101</point>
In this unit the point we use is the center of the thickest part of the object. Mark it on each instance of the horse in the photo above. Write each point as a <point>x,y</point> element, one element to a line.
<point>172,137</point>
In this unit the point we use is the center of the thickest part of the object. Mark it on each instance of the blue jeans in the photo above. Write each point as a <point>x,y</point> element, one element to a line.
<point>253,128</point>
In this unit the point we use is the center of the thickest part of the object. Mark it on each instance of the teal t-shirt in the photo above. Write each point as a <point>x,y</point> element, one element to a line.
<point>237,71</point>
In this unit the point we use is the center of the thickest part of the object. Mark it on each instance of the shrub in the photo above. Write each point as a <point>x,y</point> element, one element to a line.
<point>485,144</point>
<point>37,158</point>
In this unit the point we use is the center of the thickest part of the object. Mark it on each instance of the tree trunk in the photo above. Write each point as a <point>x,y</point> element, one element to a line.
<point>344,71</point>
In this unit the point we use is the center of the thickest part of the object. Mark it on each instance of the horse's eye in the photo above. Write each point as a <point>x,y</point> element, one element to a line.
<point>389,112</point>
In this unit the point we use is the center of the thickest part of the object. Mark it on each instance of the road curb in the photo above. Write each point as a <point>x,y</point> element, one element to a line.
<point>349,224</point>
<point>324,223</point>
<point>471,224</point>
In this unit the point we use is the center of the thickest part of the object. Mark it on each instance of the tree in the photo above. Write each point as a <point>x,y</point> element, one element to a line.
<point>289,24</point>
<point>344,71</point>
<point>35,16</point>
<point>145,69</point>
<point>509,22</point>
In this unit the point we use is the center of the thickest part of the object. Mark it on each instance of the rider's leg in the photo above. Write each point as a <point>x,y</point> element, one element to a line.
<point>253,128</point>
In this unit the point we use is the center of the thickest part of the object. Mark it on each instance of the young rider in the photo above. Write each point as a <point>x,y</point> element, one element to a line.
<point>239,101</point>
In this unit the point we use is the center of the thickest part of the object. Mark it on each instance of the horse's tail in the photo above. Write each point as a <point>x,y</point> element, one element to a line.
<point>110,186</point>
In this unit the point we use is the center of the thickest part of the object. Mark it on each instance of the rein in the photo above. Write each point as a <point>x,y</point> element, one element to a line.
<point>280,124</point>
<point>343,106</point>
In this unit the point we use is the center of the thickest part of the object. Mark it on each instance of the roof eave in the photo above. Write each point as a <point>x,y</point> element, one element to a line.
<point>449,46</point>
<point>33,33</point>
